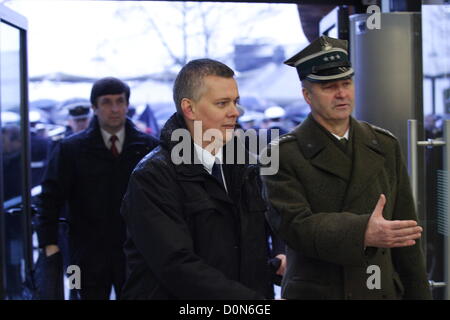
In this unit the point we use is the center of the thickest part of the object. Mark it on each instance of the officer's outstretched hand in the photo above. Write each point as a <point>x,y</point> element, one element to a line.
<point>382,233</point>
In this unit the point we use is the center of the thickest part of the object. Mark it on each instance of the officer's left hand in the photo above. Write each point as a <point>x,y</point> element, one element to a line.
<point>282,267</point>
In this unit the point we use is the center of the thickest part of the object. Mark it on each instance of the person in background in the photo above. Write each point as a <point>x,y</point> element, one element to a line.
<point>89,172</point>
<point>273,119</point>
<point>78,118</point>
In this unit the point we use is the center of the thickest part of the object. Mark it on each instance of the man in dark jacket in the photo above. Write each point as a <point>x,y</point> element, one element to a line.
<point>89,171</point>
<point>342,198</point>
<point>195,218</point>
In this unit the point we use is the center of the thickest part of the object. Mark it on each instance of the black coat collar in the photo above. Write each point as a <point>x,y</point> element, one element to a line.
<point>95,139</point>
<point>176,122</point>
<point>235,173</point>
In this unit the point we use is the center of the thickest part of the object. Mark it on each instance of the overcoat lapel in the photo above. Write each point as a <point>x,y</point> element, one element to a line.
<point>368,160</point>
<point>94,141</point>
<point>334,161</point>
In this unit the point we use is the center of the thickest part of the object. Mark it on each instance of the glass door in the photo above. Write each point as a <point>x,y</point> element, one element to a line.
<point>436,98</point>
<point>15,214</point>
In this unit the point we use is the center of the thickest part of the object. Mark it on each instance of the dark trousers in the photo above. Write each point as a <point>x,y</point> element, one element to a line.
<point>102,291</point>
<point>49,277</point>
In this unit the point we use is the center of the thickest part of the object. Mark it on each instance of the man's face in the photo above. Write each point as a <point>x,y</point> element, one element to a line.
<point>330,102</point>
<point>11,139</point>
<point>79,124</point>
<point>217,106</point>
<point>111,111</point>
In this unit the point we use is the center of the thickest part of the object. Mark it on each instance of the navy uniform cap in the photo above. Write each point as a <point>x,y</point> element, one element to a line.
<point>79,111</point>
<point>324,59</point>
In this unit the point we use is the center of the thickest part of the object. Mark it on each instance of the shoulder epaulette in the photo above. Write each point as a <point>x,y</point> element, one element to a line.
<point>384,131</point>
<point>282,139</point>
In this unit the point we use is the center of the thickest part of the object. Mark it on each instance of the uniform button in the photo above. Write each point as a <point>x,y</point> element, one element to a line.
<point>236,247</point>
<point>309,145</point>
<point>374,141</point>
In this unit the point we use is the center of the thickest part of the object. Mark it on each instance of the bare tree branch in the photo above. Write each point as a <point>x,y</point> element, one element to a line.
<point>206,32</point>
<point>175,59</point>
<point>196,21</point>
<point>184,12</point>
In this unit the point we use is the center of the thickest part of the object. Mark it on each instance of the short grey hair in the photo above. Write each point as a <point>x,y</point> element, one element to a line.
<point>189,81</point>
<point>306,84</point>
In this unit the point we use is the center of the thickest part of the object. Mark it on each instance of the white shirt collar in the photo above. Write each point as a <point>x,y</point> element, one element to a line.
<point>344,136</point>
<point>120,138</point>
<point>206,158</point>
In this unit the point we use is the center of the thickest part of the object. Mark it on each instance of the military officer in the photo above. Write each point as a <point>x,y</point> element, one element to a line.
<point>341,198</point>
<point>79,117</point>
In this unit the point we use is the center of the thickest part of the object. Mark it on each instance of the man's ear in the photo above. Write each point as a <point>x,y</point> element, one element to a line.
<point>94,109</point>
<point>188,108</point>
<point>306,95</point>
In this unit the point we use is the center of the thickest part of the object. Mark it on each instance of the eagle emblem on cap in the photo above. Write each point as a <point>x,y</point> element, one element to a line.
<point>325,44</point>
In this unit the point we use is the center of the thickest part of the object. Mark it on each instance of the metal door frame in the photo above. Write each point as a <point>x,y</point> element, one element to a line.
<point>19,22</point>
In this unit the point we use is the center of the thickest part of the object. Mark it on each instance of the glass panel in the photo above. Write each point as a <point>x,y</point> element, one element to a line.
<point>12,157</point>
<point>436,72</point>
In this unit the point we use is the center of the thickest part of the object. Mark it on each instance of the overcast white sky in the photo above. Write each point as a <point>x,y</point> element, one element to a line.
<point>90,38</point>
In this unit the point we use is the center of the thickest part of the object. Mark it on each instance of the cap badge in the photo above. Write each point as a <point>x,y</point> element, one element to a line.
<point>325,44</point>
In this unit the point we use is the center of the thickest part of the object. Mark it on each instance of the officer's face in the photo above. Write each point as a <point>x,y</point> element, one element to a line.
<point>330,102</point>
<point>216,107</point>
<point>80,124</point>
<point>111,111</point>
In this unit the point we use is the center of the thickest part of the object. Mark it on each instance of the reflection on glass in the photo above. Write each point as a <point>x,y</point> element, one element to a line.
<point>12,156</point>
<point>10,107</point>
<point>436,72</point>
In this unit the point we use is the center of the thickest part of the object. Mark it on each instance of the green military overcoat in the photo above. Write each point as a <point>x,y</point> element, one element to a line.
<point>322,200</point>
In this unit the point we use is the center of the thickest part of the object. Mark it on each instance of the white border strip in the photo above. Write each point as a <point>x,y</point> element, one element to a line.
<point>335,76</point>
<point>319,54</point>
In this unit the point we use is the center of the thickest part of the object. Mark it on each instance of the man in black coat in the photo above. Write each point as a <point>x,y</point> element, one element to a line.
<point>89,171</point>
<point>195,218</point>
